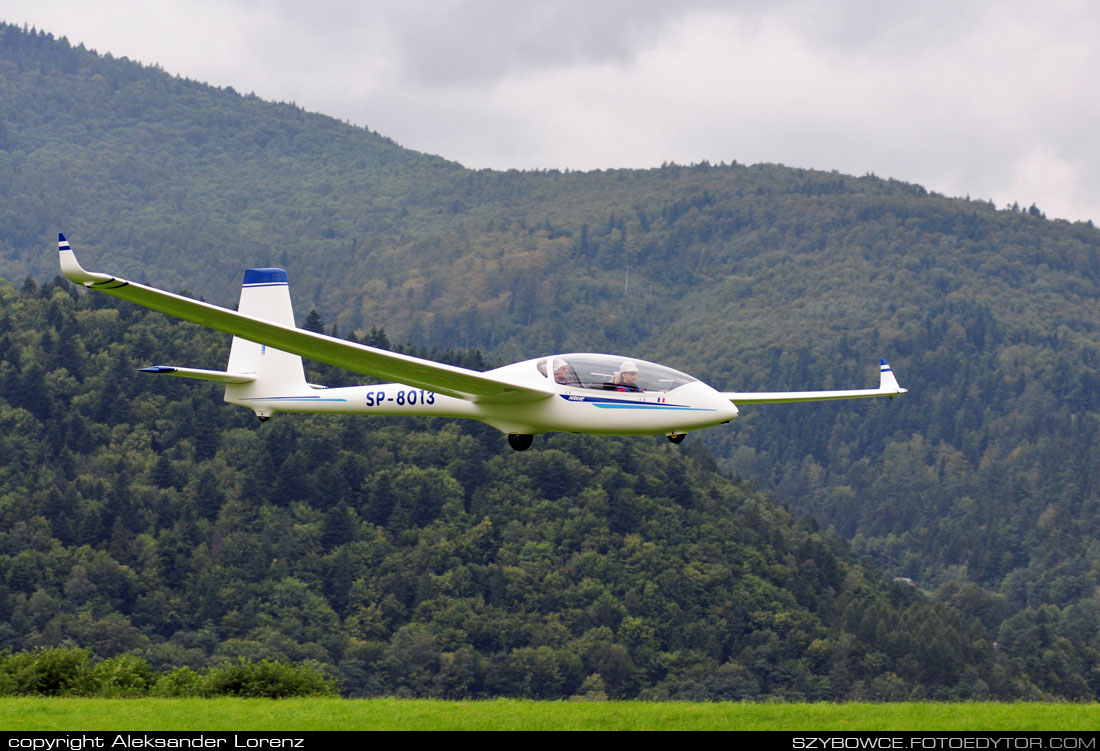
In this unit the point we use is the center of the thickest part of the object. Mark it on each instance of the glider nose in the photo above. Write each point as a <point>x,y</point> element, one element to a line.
<point>711,407</point>
<point>728,409</point>
<point>723,406</point>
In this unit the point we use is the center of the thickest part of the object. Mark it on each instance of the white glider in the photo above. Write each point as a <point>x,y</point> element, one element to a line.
<point>579,393</point>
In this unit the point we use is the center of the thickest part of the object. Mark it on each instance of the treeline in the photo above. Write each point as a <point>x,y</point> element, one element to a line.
<point>141,517</point>
<point>71,672</point>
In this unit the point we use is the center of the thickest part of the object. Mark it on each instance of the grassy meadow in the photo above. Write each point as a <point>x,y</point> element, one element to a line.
<point>63,714</point>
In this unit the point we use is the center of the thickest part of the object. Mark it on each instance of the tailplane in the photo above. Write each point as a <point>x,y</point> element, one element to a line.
<point>257,376</point>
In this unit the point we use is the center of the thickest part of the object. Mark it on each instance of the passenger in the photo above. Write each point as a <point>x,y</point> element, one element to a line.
<point>561,373</point>
<point>627,377</point>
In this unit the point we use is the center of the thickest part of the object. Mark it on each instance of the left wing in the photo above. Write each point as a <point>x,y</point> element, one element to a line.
<point>412,371</point>
<point>887,386</point>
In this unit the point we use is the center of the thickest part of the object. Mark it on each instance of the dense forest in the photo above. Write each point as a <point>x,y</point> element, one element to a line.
<point>141,516</point>
<point>980,485</point>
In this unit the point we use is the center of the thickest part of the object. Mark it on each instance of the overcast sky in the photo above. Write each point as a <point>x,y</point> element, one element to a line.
<point>995,100</point>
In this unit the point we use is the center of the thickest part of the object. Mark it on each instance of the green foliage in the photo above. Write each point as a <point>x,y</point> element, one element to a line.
<point>143,517</point>
<point>47,672</point>
<point>265,680</point>
<point>124,675</point>
<point>180,682</point>
<point>64,671</point>
<point>409,557</point>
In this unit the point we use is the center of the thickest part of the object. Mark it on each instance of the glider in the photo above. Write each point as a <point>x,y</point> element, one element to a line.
<point>579,393</point>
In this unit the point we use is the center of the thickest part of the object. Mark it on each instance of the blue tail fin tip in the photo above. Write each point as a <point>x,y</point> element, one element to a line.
<point>264,276</point>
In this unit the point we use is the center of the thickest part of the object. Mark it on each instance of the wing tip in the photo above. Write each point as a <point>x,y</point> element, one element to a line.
<point>887,380</point>
<point>71,267</point>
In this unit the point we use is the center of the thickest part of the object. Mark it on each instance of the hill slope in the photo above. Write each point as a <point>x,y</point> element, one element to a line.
<point>751,277</point>
<point>413,557</point>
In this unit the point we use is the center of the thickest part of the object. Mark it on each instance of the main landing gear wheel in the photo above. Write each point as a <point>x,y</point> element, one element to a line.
<point>520,441</point>
<point>677,437</point>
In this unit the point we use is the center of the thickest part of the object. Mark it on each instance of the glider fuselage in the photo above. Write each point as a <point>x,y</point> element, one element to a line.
<point>579,407</point>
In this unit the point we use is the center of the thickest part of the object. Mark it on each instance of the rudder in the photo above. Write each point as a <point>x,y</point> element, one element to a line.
<point>265,294</point>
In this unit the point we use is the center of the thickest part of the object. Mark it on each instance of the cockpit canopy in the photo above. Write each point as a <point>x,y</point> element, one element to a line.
<point>609,373</point>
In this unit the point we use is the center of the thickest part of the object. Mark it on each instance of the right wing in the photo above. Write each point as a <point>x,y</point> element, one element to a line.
<point>412,371</point>
<point>887,386</point>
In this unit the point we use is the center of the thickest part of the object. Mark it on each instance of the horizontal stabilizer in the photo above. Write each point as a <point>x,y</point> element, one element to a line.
<point>203,375</point>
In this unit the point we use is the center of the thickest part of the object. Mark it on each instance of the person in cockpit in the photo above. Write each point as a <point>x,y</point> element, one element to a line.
<point>627,377</point>
<point>561,373</point>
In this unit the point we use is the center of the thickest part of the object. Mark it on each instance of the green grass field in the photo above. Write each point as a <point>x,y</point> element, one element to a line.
<point>22,714</point>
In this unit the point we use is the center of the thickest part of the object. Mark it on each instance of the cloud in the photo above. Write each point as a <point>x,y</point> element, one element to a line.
<point>991,99</point>
<point>463,43</point>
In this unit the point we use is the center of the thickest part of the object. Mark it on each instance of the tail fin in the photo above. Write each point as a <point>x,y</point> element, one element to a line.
<point>265,294</point>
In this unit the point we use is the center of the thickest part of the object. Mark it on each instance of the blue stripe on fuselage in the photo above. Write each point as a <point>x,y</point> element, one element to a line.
<point>293,399</point>
<point>603,402</point>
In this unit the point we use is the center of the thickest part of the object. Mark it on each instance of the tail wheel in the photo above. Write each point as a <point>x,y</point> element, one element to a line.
<point>677,437</point>
<point>520,441</point>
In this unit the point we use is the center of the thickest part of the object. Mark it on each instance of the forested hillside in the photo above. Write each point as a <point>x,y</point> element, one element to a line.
<point>415,557</point>
<point>981,484</point>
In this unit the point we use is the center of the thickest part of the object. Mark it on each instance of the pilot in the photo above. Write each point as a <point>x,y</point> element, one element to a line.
<point>627,377</point>
<point>561,373</point>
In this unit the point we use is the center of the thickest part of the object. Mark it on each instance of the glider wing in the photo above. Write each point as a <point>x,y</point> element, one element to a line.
<point>391,366</point>
<point>888,386</point>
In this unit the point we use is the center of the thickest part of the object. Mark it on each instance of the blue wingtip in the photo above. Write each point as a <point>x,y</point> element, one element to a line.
<point>61,238</point>
<point>882,361</point>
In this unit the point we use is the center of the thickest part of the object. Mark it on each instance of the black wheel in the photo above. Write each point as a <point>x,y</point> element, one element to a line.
<point>264,418</point>
<point>520,441</point>
<point>677,437</point>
